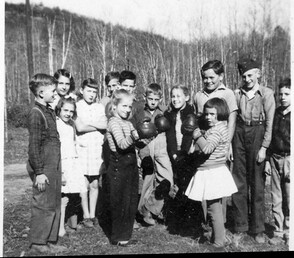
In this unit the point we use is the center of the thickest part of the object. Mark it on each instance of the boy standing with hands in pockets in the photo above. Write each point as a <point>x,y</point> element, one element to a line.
<point>44,167</point>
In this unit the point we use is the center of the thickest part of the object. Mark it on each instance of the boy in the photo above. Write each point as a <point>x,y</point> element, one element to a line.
<point>44,163</point>
<point>278,166</point>
<point>157,150</point>
<point>112,83</point>
<point>252,137</point>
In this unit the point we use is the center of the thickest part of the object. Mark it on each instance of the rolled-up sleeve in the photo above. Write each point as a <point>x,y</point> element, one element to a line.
<point>269,110</point>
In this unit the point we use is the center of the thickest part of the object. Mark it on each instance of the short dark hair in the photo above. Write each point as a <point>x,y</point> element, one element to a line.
<point>286,82</point>
<point>41,79</point>
<point>216,65</point>
<point>221,107</point>
<point>66,73</point>
<point>111,75</point>
<point>127,75</point>
<point>62,101</point>
<point>90,82</point>
<point>153,88</point>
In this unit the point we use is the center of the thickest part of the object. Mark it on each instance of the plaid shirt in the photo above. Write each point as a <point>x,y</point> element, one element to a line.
<point>39,135</point>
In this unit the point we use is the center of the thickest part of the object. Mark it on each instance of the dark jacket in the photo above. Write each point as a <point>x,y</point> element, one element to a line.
<point>171,115</point>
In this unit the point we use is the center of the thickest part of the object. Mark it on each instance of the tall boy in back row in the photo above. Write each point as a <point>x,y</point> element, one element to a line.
<point>44,166</point>
<point>252,137</point>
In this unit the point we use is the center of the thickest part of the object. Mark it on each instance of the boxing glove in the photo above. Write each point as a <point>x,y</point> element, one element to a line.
<point>161,123</point>
<point>146,129</point>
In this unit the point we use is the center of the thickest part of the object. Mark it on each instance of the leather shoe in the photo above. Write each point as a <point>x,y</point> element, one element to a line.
<point>40,248</point>
<point>259,238</point>
<point>57,248</point>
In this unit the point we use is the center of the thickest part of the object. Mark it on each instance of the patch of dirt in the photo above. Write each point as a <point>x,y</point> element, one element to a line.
<point>16,181</point>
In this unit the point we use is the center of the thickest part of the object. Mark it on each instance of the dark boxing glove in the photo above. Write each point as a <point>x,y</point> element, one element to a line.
<point>146,129</point>
<point>190,124</point>
<point>161,123</point>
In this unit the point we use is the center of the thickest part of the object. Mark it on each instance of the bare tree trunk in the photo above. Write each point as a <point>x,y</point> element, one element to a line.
<point>29,46</point>
<point>51,31</point>
<point>65,46</point>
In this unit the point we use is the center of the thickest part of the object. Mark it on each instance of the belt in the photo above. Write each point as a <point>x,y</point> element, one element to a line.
<point>251,123</point>
<point>282,154</point>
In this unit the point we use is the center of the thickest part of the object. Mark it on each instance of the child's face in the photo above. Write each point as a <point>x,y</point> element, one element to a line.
<point>48,93</point>
<point>178,98</point>
<point>250,78</point>
<point>211,80</point>
<point>128,85</point>
<point>210,116</point>
<point>89,94</point>
<point>113,85</point>
<point>63,85</point>
<point>67,112</point>
<point>152,101</point>
<point>124,108</point>
<point>285,97</point>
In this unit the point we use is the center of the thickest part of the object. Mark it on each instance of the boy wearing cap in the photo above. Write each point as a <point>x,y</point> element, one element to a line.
<point>252,137</point>
<point>91,123</point>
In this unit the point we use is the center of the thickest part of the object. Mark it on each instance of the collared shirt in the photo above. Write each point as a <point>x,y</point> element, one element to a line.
<point>259,108</point>
<point>220,92</point>
<point>159,110</point>
<point>38,134</point>
<point>281,131</point>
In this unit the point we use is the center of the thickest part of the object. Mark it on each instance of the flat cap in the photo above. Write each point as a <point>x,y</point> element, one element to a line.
<point>246,64</point>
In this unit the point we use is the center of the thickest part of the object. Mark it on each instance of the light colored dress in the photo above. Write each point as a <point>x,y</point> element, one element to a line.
<point>213,179</point>
<point>89,145</point>
<point>70,166</point>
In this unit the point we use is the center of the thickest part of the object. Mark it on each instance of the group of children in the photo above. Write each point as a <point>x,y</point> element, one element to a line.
<point>78,143</point>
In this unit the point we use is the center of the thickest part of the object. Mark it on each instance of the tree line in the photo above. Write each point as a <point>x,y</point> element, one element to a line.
<point>90,48</point>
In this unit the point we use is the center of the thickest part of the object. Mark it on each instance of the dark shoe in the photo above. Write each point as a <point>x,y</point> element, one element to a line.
<point>87,223</point>
<point>218,248</point>
<point>57,248</point>
<point>259,238</point>
<point>70,230</point>
<point>95,221</point>
<point>40,248</point>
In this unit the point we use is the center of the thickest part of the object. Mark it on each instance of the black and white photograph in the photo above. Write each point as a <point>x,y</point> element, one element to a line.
<point>135,127</point>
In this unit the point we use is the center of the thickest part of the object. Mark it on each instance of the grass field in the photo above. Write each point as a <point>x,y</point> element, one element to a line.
<point>151,240</point>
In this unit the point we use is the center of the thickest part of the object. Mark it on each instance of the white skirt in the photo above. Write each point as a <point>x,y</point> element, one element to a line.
<point>210,184</point>
<point>74,176</point>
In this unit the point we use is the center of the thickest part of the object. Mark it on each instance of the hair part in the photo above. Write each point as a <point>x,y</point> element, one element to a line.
<point>153,88</point>
<point>286,82</point>
<point>116,98</point>
<point>111,75</point>
<point>127,75</point>
<point>63,101</point>
<point>216,65</point>
<point>182,87</point>
<point>66,73</point>
<point>221,107</point>
<point>41,79</point>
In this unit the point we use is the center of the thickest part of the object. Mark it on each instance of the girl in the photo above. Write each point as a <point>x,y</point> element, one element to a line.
<point>122,176</point>
<point>65,86</point>
<point>213,179</point>
<point>72,177</point>
<point>183,164</point>
<point>91,123</point>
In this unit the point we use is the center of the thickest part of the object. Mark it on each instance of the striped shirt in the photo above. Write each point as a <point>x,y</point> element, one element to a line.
<point>217,138</point>
<point>119,134</point>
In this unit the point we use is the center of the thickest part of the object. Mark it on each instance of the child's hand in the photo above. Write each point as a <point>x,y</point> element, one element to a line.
<point>267,168</point>
<point>63,180</point>
<point>135,135</point>
<point>196,133</point>
<point>261,155</point>
<point>41,181</point>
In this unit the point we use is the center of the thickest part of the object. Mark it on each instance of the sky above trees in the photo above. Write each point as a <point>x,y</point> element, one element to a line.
<point>180,19</point>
